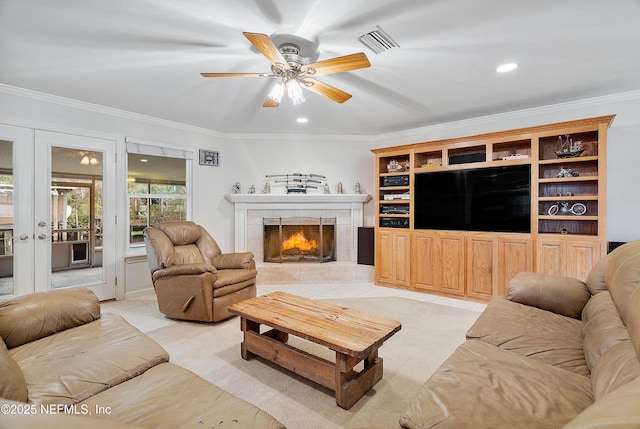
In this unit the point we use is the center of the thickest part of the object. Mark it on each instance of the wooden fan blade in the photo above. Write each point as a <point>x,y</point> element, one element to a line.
<point>270,102</point>
<point>263,43</point>
<point>325,90</point>
<point>237,75</point>
<point>337,65</point>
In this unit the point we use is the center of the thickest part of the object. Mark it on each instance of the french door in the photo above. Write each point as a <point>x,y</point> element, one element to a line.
<point>62,220</point>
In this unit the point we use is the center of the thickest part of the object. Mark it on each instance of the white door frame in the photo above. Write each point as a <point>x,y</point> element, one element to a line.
<point>44,141</point>
<point>23,232</point>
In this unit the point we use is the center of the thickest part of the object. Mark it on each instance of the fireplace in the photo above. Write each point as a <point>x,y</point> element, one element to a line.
<point>299,239</point>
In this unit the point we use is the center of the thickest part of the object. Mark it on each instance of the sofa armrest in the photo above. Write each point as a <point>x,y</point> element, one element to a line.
<point>227,261</point>
<point>30,317</point>
<point>183,270</point>
<point>561,295</point>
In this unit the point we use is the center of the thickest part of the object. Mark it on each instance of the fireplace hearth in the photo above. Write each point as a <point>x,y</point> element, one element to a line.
<point>299,239</point>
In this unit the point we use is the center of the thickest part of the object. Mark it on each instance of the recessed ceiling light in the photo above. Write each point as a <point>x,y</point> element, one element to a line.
<point>507,67</point>
<point>144,160</point>
<point>302,120</point>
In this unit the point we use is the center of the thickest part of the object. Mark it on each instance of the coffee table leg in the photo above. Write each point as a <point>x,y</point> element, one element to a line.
<point>350,385</point>
<point>247,326</point>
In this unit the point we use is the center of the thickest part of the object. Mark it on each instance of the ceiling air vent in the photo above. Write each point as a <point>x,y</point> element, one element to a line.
<point>377,40</point>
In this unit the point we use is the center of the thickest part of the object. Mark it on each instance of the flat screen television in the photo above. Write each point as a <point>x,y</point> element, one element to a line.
<point>480,199</point>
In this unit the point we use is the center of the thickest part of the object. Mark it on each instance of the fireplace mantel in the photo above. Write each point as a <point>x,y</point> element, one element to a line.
<point>281,203</point>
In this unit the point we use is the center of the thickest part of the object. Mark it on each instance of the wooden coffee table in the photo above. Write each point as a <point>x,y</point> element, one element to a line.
<point>353,335</point>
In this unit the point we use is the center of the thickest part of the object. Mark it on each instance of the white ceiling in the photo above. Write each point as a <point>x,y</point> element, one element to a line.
<point>145,56</point>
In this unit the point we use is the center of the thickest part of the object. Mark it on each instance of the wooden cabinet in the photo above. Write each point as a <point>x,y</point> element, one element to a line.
<point>438,261</point>
<point>393,263</point>
<point>515,254</point>
<point>450,256</point>
<point>566,204</point>
<point>423,261</point>
<point>492,259</point>
<point>571,257</point>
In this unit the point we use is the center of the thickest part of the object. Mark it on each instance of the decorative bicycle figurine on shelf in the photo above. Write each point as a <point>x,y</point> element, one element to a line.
<point>577,209</point>
<point>567,172</point>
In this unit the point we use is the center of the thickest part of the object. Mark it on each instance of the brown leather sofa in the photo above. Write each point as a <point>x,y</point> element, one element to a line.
<point>556,352</point>
<point>192,278</point>
<point>63,364</point>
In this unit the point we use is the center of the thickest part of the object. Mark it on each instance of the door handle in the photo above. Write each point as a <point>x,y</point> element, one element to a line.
<point>23,237</point>
<point>42,236</point>
<point>42,223</point>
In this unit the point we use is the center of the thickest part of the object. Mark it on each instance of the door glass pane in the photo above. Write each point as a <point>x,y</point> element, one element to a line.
<point>6,217</point>
<point>76,217</point>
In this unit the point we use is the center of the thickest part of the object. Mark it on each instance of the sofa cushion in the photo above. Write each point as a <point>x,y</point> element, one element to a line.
<point>623,275</point>
<point>602,327</point>
<point>59,421</point>
<point>72,365</point>
<point>153,400</point>
<point>619,409</point>
<point>596,282</point>
<point>13,386</point>
<point>617,367</point>
<point>538,334</point>
<point>30,317</point>
<point>482,386</point>
<point>561,295</point>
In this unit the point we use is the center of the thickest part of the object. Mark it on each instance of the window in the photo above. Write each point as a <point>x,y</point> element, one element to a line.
<point>157,187</point>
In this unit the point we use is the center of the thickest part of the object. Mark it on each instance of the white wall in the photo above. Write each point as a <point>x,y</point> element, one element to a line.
<point>339,159</point>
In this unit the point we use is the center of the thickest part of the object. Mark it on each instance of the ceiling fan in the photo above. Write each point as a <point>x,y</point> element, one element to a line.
<point>290,67</point>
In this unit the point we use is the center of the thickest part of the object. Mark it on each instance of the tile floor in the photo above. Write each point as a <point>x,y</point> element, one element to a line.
<point>142,311</point>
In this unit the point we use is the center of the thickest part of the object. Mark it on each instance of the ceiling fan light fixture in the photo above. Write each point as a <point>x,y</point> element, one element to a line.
<point>295,91</point>
<point>85,160</point>
<point>93,161</point>
<point>277,92</point>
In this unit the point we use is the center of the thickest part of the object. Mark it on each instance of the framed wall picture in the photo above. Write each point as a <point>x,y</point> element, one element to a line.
<point>209,157</point>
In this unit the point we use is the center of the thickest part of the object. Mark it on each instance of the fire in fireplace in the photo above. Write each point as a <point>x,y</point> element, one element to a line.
<point>300,239</point>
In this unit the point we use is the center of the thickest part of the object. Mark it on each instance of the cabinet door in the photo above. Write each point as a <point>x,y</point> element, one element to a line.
<point>402,252</point>
<point>423,264</point>
<point>551,257</point>
<point>582,255</point>
<point>450,263</point>
<point>515,254</point>
<point>394,262</point>
<point>384,256</point>
<point>482,258</point>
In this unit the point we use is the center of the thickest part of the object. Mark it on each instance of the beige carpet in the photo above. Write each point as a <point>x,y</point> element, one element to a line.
<point>430,333</point>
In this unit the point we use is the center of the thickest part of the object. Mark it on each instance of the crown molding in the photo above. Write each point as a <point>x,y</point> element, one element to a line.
<point>405,135</point>
<point>97,108</point>
<point>530,113</point>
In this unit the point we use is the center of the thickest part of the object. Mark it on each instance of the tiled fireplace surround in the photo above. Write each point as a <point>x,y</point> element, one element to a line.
<point>250,209</point>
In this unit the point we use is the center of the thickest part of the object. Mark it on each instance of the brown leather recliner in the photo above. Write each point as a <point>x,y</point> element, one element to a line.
<point>192,278</point>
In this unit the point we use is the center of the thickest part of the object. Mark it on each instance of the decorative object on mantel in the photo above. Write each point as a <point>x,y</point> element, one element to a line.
<point>356,188</point>
<point>236,188</point>
<point>326,189</point>
<point>339,188</point>
<point>569,148</point>
<point>298,183</point>
<point>267,188</point>
<point>252,189</point>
